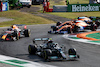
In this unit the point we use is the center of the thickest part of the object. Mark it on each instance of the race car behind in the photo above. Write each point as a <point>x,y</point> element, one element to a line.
<point>15,33</point>
<point>73,27</point>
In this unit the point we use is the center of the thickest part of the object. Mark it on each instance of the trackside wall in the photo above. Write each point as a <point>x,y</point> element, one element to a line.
<point>83,7</point>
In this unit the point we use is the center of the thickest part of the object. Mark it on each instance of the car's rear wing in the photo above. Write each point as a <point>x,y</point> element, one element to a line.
<point>40,39</point>
<point>21,25</point>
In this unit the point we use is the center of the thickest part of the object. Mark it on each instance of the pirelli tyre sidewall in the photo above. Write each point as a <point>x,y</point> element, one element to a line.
<point>32,49</point>
<point>52,27</point>
<point>92,27</point>
<point>27,32</point>
<point>69,30</point>
<point>55,28</point>
<point>46,54</point>
<point>17,36</point>
<point>58,23</point>
<point>75,29</point>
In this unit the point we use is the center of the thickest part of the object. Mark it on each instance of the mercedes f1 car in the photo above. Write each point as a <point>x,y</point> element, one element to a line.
<point>14,33</point>
<point>50,50</point>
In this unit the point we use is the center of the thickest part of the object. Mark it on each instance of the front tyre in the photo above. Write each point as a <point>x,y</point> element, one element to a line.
<point>46,54</point>
<point>32,49</point>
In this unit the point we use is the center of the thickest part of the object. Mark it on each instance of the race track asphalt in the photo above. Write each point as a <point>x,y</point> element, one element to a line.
<point>89,53</point>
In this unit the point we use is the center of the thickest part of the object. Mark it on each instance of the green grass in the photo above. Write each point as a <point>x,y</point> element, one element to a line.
<point>80,1</point>
<point>62,2</point>
<point>94,35</point>
<point>22,18</point>
<point>73,15</point>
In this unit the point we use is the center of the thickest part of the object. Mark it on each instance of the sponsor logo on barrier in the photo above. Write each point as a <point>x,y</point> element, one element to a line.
<point>80,8</point>
<point>4,7</point>
<point>83,7</point>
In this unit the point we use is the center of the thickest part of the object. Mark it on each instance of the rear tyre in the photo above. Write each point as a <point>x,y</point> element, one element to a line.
<point>49,32</point>
<point>27,32</point>
<point>32,49</point>
<point>69,30</point>
<point>92,28</point>
<point>52,27</point>
<point>75,29</point>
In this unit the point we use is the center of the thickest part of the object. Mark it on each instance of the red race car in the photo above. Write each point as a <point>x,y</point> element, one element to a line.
<point>14,33</point>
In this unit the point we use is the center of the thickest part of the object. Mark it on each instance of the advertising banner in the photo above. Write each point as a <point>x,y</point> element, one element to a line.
<point>0,7</point>
<point>5,6</point>
<point>83,7</point>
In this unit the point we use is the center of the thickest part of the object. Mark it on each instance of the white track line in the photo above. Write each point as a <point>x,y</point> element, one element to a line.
<point>4,59</point>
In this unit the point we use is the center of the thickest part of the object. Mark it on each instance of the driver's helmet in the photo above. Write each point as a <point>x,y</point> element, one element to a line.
<point>73,24</point>
<point>50,41</point>
<point>14,27</point>
<point>58,23</point>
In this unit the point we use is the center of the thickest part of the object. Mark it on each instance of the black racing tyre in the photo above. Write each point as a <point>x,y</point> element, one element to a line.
<point>17,36</point>
<point>69,30</point>
<point>52,27</point>
<point>27,32</point>
<point>46,53</point>
<point>92,27</point>
<point>75,29</point>
<point>58,23</point>
<point>98,24</point>
<point>49,32</point>
<point>55,28</point>
<point>32,49</point>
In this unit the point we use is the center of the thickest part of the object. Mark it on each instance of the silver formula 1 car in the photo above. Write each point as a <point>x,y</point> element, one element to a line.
<point>50,50</point>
